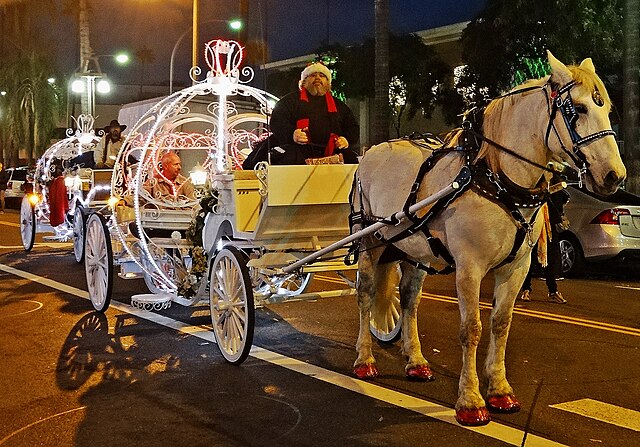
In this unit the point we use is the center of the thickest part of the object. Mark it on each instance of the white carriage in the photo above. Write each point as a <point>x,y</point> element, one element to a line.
<point>248,238</point>
<point>84,188</point>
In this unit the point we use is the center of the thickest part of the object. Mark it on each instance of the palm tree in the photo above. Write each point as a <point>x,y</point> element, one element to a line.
<point>631,102</point>
<point>32,105</point>
<point>144,55</point>
<point>381,99</point>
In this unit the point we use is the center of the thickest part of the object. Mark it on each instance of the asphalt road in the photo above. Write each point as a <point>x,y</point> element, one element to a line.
<point>69,376</point>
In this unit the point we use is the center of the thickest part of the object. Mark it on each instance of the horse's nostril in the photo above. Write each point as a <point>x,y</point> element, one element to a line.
<point>613,179</point>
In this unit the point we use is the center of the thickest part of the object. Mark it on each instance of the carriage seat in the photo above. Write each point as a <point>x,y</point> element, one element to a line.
<point>306,201</point>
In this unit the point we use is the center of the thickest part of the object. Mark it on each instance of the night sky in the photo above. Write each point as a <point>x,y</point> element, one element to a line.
<point>291,28</point>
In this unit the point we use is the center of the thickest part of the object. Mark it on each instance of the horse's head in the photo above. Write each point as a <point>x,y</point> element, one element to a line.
<point>579,129</point>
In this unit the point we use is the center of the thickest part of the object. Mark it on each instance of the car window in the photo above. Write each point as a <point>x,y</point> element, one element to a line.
<point>19,175</point>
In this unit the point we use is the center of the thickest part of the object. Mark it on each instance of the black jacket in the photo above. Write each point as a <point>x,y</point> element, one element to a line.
<point>4,178</point>
<point>322,123</point>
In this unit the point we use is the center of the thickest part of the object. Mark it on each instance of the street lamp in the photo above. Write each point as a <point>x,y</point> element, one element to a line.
<point>92,80</point>
<point>234,24</point>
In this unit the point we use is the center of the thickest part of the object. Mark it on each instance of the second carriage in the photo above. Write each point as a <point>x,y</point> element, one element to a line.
<point>62,190</point>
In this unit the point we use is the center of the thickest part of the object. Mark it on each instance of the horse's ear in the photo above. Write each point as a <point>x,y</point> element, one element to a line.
<point>560,74</point>
<point>587,65</point>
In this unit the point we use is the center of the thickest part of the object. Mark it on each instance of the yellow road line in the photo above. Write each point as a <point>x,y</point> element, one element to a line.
<point>9,224</point>
<point>527,312</point>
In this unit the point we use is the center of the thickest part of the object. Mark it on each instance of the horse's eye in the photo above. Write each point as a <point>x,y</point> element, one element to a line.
<point>597,98</point>
<point>581,109</point>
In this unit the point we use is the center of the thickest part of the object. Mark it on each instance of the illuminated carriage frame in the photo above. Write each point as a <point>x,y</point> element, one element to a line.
<point>226,134</point>
<point>264,228</point>
<point>36,207</point>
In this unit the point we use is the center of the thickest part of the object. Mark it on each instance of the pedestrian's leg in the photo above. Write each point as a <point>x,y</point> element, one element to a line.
<point>553,268</point>
<point>2,200</point>
<point>525,291</point>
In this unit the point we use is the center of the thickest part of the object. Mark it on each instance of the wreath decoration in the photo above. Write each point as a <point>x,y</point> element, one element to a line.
<point>190,283</point>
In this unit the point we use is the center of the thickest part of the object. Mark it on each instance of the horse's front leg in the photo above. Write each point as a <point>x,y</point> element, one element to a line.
<point>417,367</point>
<point>365,365</point>
<point>508,280</point>
<point>470,406</point>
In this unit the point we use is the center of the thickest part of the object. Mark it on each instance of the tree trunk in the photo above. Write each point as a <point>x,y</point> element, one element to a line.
<point>86,53</point>
<point>631,93</point>
<point>381,100</point>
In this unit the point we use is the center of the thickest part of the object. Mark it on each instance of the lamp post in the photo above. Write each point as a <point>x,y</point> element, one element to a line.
<point>90,80</point>
<point>235,25</point>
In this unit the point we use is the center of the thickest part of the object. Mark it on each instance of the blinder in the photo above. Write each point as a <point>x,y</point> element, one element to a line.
<point>570,117</point>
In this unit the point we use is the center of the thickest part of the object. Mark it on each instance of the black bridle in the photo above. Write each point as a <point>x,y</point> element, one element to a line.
<point>560,100</point>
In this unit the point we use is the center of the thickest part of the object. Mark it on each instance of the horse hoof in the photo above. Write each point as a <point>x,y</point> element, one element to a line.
<point>473,416</point>
<point>364,372</point>
<point>421,373</point>
<point>503,404</point>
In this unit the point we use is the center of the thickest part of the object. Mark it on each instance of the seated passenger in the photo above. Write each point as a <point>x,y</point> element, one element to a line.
<point>168,182</point>
<point>107,149</point>
<point>311,123</point>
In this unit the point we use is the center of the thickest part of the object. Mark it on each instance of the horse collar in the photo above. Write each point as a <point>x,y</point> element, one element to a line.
<point>500,188</point>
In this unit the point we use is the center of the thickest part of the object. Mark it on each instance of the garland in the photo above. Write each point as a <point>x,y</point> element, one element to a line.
<point>189,284</point>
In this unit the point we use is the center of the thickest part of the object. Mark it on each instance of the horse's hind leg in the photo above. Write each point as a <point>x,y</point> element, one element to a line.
<point>500,397</point>
<point>365,364</point>
<point>417,367</point>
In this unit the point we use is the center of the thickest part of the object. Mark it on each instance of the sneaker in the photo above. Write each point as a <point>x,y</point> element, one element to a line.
<point>1,212</point>
<point>557,298</point>
<point>525,295</point>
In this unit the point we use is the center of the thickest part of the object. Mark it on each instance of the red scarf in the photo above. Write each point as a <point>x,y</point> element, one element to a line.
<point>331,108</point>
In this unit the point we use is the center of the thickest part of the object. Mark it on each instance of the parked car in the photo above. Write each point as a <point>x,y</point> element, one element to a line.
<point>17,181</point>
<point>600,229</point>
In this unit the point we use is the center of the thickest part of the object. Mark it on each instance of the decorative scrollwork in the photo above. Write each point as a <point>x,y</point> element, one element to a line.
<point>261,170</point>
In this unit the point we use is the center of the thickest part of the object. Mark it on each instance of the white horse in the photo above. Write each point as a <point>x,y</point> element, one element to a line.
<point>562,117</point>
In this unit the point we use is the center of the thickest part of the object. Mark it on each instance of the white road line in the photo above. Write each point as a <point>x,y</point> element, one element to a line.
<point>433,410</point>
<point>628,287</point>
<point>603,412</point>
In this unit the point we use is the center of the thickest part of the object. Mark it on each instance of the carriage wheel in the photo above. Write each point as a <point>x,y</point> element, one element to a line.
<point>231,302</point>
<point>78,234</point>
<point>295,285</point>
<point>155,284</point>
<point>98,262</point>
<point>386,324</point>
<point>27,223</point>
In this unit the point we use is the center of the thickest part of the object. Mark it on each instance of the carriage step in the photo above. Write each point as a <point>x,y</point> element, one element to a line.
<point>59,238</point>
<point>130,275</point>
<point>152,301</point>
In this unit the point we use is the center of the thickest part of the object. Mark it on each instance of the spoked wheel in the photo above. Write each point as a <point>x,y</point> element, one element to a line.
<point>98,262</point>
<point>386,325</point>
<point>27,224</point>
<point>155,284</point>
<point>78,234</point>
<point>231,302</point>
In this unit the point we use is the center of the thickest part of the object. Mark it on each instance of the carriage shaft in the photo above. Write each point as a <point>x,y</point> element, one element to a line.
<point>399,216</point>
